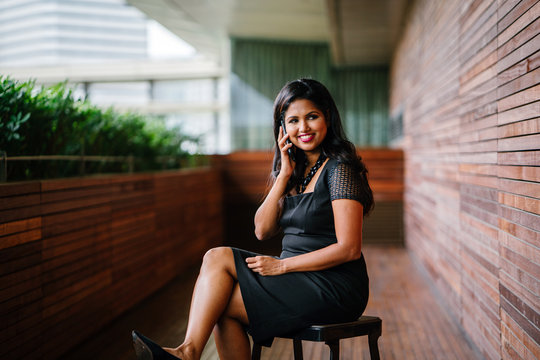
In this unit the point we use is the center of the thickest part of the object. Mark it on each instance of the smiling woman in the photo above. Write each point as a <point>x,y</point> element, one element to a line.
<point>306,127</point>
<point>319,202</point>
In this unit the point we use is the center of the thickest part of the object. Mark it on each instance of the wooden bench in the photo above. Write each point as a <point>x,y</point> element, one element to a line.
<point>331,334</point>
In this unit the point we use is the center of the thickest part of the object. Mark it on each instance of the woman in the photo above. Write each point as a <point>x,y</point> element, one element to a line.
<point>318,200</point>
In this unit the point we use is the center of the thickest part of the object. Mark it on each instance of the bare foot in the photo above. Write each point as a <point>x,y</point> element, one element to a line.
<point>182,352</point>
<point>175,352</point>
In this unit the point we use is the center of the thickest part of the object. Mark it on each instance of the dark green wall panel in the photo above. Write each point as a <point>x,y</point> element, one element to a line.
<point>260,68</point>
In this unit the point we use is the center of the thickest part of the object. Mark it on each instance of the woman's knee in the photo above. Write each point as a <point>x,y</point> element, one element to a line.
<point>218,257</point>
<point>218,253</point>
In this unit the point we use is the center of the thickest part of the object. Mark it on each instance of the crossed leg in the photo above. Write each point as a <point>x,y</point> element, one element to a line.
<point>216,305</point>
<point>231,339</point>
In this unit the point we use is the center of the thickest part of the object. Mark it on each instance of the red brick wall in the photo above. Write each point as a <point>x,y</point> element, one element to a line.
<point>466,75</point>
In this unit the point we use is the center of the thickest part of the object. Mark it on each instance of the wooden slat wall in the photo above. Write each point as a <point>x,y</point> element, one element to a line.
<point>246,176</point>
<point>75,253</point>
<point>466,74</point>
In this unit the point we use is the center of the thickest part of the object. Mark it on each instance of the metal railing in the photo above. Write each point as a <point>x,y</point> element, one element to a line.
<point>3,166</point>
<point>82,159</point>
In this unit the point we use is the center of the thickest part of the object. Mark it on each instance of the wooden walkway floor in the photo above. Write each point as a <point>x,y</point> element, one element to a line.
<point>415,325</point>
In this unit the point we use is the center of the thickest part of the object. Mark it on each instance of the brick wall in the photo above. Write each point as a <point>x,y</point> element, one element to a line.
<point>465,74</point>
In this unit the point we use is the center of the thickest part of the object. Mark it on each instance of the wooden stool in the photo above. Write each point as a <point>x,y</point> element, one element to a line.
<point>331,334</point>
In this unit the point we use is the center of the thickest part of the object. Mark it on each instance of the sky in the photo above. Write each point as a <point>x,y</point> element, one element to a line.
<point>162,44</point>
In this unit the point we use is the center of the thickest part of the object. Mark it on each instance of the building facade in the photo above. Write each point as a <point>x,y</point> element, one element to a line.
<point>101,48</point>
<point>58,32</point>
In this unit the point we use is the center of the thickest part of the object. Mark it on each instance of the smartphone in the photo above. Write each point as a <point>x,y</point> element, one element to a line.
<point>288,141</point>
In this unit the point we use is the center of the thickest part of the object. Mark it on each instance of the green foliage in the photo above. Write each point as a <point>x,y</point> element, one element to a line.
<point>51,121</point>
<point>13,114</point>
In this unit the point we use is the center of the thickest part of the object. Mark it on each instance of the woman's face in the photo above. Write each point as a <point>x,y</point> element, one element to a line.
<point>306,125</point>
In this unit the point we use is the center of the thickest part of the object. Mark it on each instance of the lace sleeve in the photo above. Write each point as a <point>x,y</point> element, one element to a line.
<point>344,183</point>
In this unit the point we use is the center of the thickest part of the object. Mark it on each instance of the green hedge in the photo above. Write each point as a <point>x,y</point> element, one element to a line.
<point>50,121</point>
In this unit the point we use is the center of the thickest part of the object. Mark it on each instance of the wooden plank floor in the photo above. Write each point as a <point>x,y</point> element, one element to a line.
<point>415,325</point>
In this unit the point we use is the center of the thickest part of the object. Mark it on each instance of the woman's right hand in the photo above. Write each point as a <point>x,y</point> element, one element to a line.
<point>287,165</point>
<point>268,214</point>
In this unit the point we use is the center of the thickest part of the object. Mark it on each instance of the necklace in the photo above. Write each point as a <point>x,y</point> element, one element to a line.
<point>301,187</point>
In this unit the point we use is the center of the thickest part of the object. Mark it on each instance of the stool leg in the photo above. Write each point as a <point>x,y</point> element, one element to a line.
<point>256,352</point>
<point>373,337</point>
<point>297,344</point>
<point>334,349</point>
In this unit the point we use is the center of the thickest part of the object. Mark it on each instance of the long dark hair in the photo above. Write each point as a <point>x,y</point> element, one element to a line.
<point>335,145</point>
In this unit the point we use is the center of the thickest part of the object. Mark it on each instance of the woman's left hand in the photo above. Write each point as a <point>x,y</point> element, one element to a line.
<point>265,265</point>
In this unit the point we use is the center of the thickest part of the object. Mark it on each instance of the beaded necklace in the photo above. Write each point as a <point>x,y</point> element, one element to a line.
<point>301,186</point>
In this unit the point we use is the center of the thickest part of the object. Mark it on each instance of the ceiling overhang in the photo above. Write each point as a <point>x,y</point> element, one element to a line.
<point>360,32</point>
<point>364,32</point>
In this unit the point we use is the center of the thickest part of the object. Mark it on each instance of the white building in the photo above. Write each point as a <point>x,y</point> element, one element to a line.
<point>101,47</point>
<point>55,32</point>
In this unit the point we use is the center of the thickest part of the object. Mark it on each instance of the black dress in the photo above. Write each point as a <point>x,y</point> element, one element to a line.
<point>281,304</point>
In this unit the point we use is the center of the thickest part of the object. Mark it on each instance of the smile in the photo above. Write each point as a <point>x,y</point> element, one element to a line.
<point>306,138</point>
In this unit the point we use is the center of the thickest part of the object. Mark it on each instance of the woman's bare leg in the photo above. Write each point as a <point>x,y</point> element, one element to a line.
<point>211,297</point>
<point>231,339</point>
